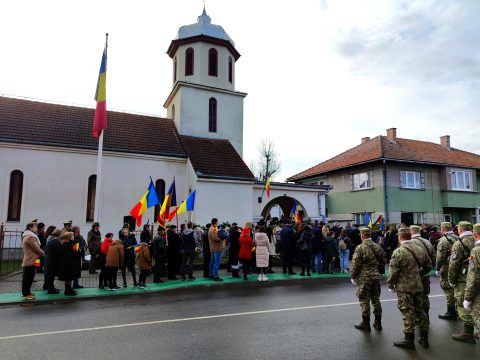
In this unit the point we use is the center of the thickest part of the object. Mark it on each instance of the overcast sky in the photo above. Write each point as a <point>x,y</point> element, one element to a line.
<point>320,75</point>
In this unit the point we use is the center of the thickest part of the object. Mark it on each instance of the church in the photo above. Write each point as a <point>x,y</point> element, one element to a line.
<point>48,156</point>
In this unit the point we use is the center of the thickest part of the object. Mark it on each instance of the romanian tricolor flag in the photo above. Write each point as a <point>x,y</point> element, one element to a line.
<point>100,121</point>
<point>187,205</point>
<point>148,200</point>
<point>37,263</point>
<point>170,200</point>
<point>295,213</point>
<point>137,249</point>
<point>76,247</point>
<point>267,187</point>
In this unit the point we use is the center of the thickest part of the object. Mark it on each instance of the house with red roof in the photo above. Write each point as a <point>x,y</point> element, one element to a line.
<point>405,180</point>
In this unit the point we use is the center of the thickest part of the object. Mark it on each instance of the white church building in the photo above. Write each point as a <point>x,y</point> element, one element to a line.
<point>48,157</point>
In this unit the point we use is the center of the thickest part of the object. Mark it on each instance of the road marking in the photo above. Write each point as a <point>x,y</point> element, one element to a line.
<point>169,321</point>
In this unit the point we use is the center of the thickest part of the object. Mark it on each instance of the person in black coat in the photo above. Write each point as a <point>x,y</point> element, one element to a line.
<point>82,246</point>
<point>355,236</point>
<point>173,252</point>
<point>53,253</point>
<point>68,261</point>
<point>305,249</point>
<point>234,249</point>
<point>188,252</point>
<point>159,253</point>
<point>206,253</point>
<point>289,246</point>
<point>317,252</point>
<point>129,242</point>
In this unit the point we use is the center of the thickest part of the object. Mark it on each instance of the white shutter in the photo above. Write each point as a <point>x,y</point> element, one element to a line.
<point>403,179</point>
<point>422,180</point>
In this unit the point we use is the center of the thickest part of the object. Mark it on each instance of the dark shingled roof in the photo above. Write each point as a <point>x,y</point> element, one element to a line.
<point>381,147</point>
<point>40,123</point>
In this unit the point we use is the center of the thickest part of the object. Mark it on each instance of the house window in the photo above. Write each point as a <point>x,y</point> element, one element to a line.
<point>418,218</point>
<point>189,55</point>
<point>230,69</point>
<point>410,180</point>
<point>447,217</point>
<point>362,181</point>
<point>461,180</point>
<point>174,69</point>
<point>173,111</point>
<point>212,115</point>
<point>359,218</point>
<point>91,192</point>
<point>15,196</point>
<point>160,187</point>
<point>212,62</point>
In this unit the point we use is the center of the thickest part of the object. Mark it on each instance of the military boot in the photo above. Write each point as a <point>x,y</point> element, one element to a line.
<point>377,324</point>
<point>451,314</point>
<point>364,325</point>
<point>466,335</point>
<point>407,342</point>
<point>424,339</point>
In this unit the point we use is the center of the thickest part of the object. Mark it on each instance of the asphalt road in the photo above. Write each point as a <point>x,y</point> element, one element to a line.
<point>308,319</point>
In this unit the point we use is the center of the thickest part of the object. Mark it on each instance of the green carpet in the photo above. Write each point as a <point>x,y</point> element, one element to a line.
<point>16,297</point>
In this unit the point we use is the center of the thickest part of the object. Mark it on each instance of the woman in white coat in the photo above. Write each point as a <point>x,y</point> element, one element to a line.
<point>262,243</point>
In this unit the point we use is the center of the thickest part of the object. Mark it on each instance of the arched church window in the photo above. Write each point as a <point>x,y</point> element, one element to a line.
<point>212,115</point>
<point>160,187</point>
<point>230,69</point>
<point>189,55</point>
<point>173,111</point>
<point>91,192</point>
<point>212,62</point>
<point>15,196</point>
<point>174,69</point>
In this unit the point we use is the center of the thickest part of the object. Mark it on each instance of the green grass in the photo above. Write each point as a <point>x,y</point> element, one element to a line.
<point>8,266</point>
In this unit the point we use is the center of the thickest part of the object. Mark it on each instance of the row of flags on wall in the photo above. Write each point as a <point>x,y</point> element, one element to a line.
<point>369,222</point>
<point>150,199</point>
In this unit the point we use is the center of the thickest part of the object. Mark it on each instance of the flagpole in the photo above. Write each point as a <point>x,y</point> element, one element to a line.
<point>98,187</point>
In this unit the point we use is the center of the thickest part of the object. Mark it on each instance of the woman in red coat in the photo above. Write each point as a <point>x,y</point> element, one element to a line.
<point>245,254</point>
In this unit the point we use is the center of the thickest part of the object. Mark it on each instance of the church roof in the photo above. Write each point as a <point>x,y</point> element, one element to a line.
<point>40,123</point>
<point>203,26</point>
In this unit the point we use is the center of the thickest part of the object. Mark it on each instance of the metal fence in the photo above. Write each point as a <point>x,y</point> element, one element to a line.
<point>10,251</point>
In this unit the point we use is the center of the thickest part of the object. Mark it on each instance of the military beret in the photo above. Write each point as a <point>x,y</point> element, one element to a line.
<point>446,225</point>
<point>465,225</point>
<point>404,230</point>
<point>415,228</point>
<point>476,228</point>
<point>365,230</point>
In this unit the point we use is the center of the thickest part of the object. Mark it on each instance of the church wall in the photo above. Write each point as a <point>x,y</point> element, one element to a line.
<point>194,115</point>
<point>55,184</point>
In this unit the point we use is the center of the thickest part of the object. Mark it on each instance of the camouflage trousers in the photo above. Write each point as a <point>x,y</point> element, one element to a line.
<point>369,291</point>
<point>459,290</point>
<point>447,289</point>
<point>475,312</point>
<point>412,308</point>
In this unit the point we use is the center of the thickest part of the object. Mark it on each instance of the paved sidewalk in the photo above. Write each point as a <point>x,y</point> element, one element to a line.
<point>95,292</point>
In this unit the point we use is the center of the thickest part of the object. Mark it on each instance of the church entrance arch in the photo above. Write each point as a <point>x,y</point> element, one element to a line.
<point>286,204</point>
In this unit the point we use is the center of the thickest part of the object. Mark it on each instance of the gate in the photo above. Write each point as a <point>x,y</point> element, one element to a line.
<point>10,251</point>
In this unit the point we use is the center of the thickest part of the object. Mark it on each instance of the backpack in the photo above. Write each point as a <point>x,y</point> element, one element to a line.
<point>341,245</point>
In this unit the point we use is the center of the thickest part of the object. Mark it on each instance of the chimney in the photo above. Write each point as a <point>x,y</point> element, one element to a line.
<point>445,141</point>
<point>392,134</point>
<point>365,139</point>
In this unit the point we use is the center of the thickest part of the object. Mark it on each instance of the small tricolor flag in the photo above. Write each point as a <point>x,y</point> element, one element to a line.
<point>148,200</point>
<point>137,249</point>
<point>100,120</point>
<point>295,213</point>
<point>76,247</point>
<point>170,200</point>
<point>187,205</point>
<point>37,263</point>
<point>267,187</point>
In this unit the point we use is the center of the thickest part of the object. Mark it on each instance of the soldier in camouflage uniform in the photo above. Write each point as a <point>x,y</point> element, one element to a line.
<point>444,249</point>
<point>366,261</point>
<point>425,245</point>
<point>472,287</point>
<point>457,277</point>
<point>407,267</point>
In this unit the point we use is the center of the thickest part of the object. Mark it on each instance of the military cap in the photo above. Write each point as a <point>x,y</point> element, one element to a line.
<point>446,225</point>
<point>465,225</point>
<point>404,230</point>
<point>415,228</point>
<point>476,228</point>
<point>95,224</point>
<point>171,227</point>
<point>365,231</point>
<point>34,221</point>
<point>67,222</point>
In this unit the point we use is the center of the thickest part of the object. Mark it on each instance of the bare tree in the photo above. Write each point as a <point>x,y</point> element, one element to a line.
<point>268,163</point>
